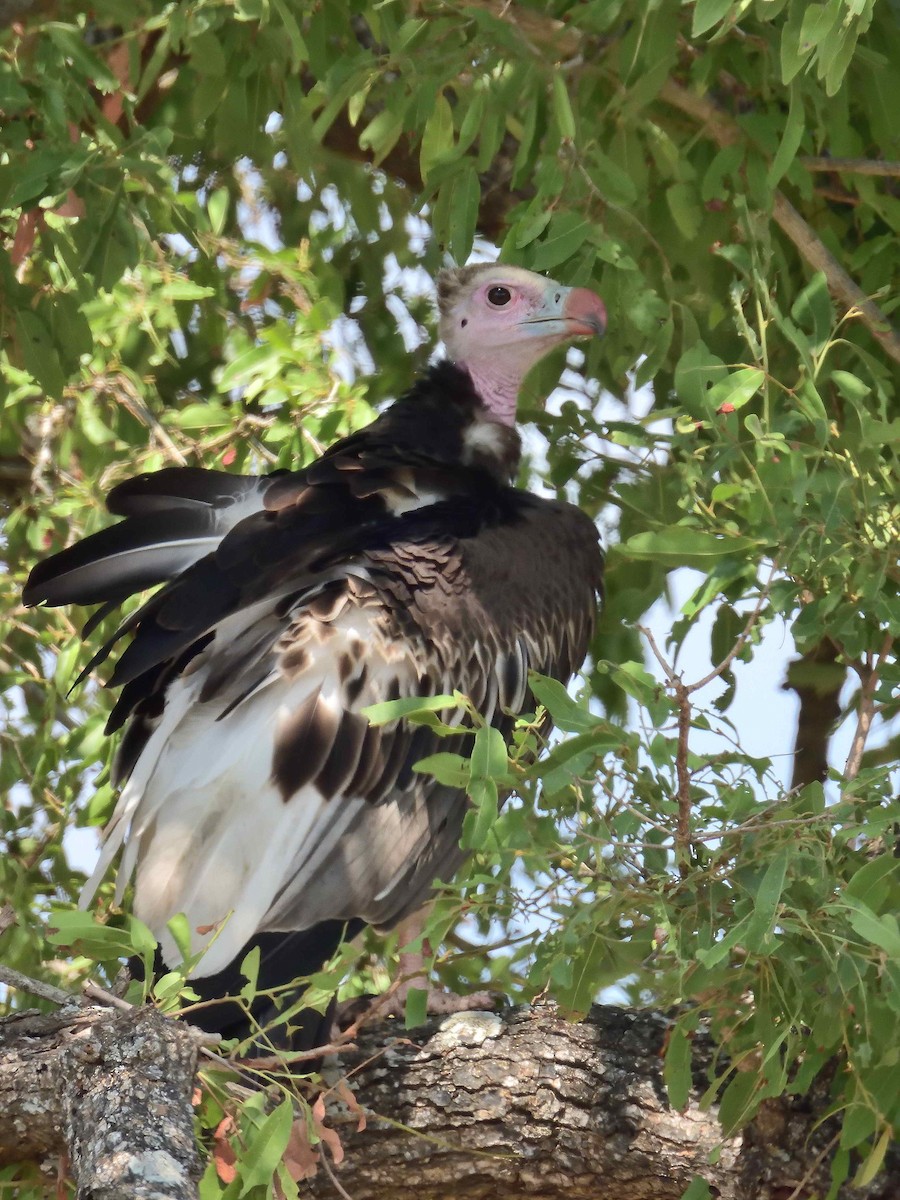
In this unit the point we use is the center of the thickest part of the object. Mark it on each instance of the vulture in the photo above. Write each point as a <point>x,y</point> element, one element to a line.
<point>256,798</point>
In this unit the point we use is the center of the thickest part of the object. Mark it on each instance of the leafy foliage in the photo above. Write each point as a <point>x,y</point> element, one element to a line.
<point>204,211</point>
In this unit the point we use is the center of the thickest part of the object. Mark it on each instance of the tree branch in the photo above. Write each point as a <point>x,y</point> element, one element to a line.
<point>725,132</point>
<point>851,166</point>
<point>110,1089</point>
<point>817,678</point>
<point>34,987</point>
<point>530,1105</point>
<point>525,1104</point>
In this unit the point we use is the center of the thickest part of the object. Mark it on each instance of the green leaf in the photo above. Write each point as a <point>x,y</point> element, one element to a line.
<point>612,181</point>
<point>567,234</point>
<point>489,758</point>
<point>299,52</point>
<point>790,139</point>
<point>711,956</point>
<point>698,1189</point>
<point>875,881</point>
<point>873,1163</point>
<point>851,386</point>
<point>685,209</point>
<point>13,97</point>
<point>250,971</point>
<point>736,389</point>
<point>859,1123</point>
<point>737,1100</point>
<point>217,206</point>
<point>708,13</point>
<point>794,52</point>
<point>813,310</point>
<point>184,289</point>
<point>39,353</point>
<point>679,546</point>
<point>407,707</point>
<point>587,967</point>
<point>206,416</point>
<point>472,120</point>
<point>818,20</point>
<point>266,1149</point>
<point>450,769</point>
<point>72,45</point>
<point>416,1007</point>
<point>66,661</point>
<point>881,931</point>
<point>464,207</point>
<point>72,927</point>
<point>562,107</point>
<point>766,900</point>
<point>382,134</point>
<point>180,930</point>
<point>248,365</point>
<point>482,817</point>
<point>567,713</point>
<point>437,138</point>
<point>142,939</point>
<point>677,1069</point>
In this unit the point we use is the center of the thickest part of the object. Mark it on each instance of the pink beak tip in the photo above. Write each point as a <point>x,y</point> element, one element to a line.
<point>585,308</point>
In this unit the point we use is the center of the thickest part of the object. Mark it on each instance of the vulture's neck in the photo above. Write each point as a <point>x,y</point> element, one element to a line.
<point>445,417</point>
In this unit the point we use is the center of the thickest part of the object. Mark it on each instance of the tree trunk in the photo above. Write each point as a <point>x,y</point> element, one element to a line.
<point>521,1104</point>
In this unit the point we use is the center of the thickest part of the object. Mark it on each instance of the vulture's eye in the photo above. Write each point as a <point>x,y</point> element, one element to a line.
<point>498,296</point>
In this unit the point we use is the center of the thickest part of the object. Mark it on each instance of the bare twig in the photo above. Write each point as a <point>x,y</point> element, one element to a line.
<point>726,132</point>
<point>851,166</point>
<point>682,770</point>
<point>683,780</point>
<point>34,987</point>
<point>277,1062</point>
<point>742,639</point>
<point>868,677</point>
<point>683,692</point>
<point>333,1179</point>
<point>93,991</point>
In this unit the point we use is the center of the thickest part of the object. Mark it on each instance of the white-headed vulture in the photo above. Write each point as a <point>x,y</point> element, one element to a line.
<point>256,798</point>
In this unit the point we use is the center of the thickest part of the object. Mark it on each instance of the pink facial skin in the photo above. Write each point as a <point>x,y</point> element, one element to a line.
<point>505,320</point>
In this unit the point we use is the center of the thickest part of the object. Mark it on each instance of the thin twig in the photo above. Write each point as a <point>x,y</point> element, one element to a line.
<point>800,1188</point>
<point>93,991</point>
<point>23,983</point>
<point>682,770</point>
<point>276,1061</point>
<point>852,166</point>
<point>335,1182</point>
<point>742,639</point>
<point>868,677</point>
<point>658,655</point>
<point>682,692</point>
<point>683,780</point>
<point>726,132</point>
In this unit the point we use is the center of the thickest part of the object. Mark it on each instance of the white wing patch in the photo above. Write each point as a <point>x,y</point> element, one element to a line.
<point>206,831</point>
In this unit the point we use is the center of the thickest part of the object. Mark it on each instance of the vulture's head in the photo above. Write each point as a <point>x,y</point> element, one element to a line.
<point>497,321</point>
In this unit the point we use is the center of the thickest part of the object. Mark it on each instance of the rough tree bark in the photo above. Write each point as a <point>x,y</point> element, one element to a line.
<point>521,1104</point>
<point>109,1090</point>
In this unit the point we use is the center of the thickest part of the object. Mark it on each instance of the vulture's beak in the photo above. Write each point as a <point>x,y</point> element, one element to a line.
<point>568,312</point>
